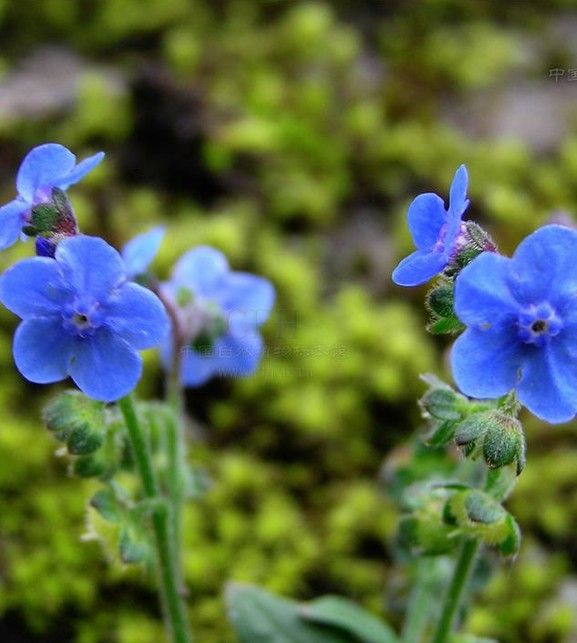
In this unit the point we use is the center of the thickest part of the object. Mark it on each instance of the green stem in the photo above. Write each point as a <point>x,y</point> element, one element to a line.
<point>454,595</point>
<point>176,439</point>
<point>419,608</point>
<point>173,606</point>
<point>176,465</point>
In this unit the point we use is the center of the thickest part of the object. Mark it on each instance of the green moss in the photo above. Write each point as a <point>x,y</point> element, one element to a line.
<point>283,124</point>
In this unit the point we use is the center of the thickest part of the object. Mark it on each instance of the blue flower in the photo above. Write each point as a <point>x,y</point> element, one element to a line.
<point>521,315</point>
<point>43,168</point>
<point>435,232</point>
<point>220,313</point>
<point>82,318</point>
<point>140,251</point>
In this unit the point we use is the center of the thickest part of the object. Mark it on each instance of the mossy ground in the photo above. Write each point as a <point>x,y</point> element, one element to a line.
<point>291,135</point>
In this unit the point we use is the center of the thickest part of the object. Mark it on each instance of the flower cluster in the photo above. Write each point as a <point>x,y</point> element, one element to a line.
<point>519,313</point>
<point>84,316</point>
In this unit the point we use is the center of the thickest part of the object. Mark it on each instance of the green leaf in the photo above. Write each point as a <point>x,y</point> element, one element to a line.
<point>134,546</point>
<point>443,434</point>
<point>445,326</point>
<point>342,613</point>
<point>106,503</point>
<point>260,617</point>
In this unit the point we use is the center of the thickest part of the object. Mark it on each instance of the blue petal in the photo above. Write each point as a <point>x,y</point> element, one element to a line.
<point>33,286</point>
<point>105,367</point>
<point>79,172</point>
<point>139,252</point>
<point>90,265</point>
<point>201,269</point>
<point>42,349</point>
<point>238,355</point>
<point>231,355</point>
<point>548,385</point>
<point>137,315</point>
<point>41,167</point>
<point>486,364</point>
<point>197,369</point>
<point>425,218</point>
<point>482,294</point>
<point>11,222</point>
<point>544,266</point>
<point>418,268</point>
<point>248,298</point>
<point>458,201</point>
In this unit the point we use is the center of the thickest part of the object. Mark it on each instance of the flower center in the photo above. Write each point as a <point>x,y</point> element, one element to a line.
<point>537,324</point>
<point>82,318</point>
<point>203,321</point>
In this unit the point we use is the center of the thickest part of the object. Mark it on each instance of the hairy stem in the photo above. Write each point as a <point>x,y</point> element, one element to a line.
<point>419,609</point>
<point>168,574</point>
<point>454,595</point>
<point>176,439</point>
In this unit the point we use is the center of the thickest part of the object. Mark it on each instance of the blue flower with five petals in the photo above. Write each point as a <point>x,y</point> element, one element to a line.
<point>220,313</point>
<point>521,317</point>
<point>82,318</point>
<point>435,232</point>
<point>45,167</point>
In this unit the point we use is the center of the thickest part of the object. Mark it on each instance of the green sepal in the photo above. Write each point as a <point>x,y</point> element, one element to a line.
<point>478,515</point>
<point>89,466</point>
<point>440,300</point>
<point>441,401</point>
<point>67,223</point>
<point>482,508</point>
<point>30,230</point>
<point>504,443</point>
<point>84,441</point>
<point>43,217</point>
<point>511,544</point>
<point>466,255</point>
<point>76,420</point>
<point>447,326</point>
<point>479,237</point>
<point>440,304</point>
<point>471,429</point>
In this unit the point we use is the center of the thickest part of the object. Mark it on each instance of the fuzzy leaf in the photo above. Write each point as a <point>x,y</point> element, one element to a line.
<point>260,617</point>
<point>340,612</point>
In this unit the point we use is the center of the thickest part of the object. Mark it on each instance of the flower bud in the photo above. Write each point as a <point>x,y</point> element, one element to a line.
<point>76,420</point>
<point>440,300</point>
<point>504,442</point>
<point>89,466</point>
<point>44,217</point>
<point>470,431</point>
<point>480,516</point>
<point>495,434</point>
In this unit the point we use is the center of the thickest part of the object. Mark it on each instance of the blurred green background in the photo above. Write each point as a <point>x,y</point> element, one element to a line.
<point>291,135</point>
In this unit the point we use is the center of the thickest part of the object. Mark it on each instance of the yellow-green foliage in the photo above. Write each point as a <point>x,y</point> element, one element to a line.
<point>289,121</point>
